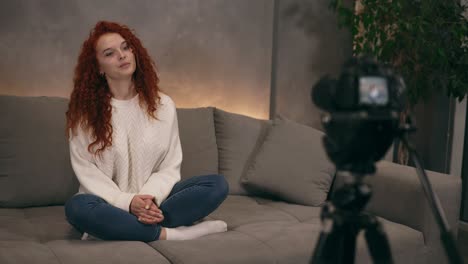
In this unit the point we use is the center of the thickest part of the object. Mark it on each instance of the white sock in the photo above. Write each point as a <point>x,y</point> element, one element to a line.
<point>87,236</point>
<point>190,232</point>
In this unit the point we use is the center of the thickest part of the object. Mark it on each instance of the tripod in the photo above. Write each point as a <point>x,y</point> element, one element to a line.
<point>343,220</point>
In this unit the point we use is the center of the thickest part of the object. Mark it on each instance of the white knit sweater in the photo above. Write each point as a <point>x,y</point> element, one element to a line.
<point>144,158</point>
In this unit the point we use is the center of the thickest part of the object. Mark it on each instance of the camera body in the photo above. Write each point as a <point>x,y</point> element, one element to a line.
<point>362,113</point>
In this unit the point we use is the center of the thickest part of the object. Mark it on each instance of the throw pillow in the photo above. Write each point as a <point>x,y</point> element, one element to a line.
<point>291,165</point>
<point>237,136</point>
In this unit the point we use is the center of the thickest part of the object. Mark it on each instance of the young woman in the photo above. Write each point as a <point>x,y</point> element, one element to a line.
<point>125,149</point>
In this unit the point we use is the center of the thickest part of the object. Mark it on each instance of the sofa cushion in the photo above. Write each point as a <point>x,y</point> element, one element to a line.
<point>198,140</point>
<point>291,165</point>
<point>289,242</point>
<point>96,252</point>
<point>259,231</point>
<point>301,213</point>
<point>291,231</point>
<point>295,242</point>
<point>50,223</point>
<point>35,167</point>
<point>239,210</point>
<point>237,246</point>
<point>237,136</point>
<point>14,252</point>
<point>37,224</point>
<point>229,247</point>
<point>15,227</point>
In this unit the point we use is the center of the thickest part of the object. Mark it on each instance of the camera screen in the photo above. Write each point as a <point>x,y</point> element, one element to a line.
<point>373,91</point>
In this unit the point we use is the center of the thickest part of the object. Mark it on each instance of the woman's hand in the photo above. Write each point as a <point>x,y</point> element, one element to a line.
<point>143,207</point>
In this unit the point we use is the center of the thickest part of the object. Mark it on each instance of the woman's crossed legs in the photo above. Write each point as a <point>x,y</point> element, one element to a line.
<point>189,201</point>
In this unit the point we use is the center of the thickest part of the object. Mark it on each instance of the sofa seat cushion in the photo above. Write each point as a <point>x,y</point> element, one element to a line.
<point>302,213</point>
<point>36,223</point>
<point>239,210</point>
<point>288,230</point>
<point>115,252</point>
<point>14,226</point>
<point>259,231</point>
<point>238,246</point>
<point>289,242</point>
<point>295,242</point>
<point>291,231</point>
<point>230,247</point>
<point>14,252</point>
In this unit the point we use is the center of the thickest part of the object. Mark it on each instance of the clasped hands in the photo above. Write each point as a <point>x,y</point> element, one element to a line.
<point>144,207</point>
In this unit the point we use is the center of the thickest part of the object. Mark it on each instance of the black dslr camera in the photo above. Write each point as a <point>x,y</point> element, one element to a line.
<point>362,117</point>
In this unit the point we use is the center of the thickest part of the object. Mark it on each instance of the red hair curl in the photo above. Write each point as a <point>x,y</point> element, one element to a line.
<point>89,105</point>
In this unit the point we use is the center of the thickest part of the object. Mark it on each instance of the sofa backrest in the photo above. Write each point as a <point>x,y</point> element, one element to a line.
<point>198,140</point>
<point>35,168</point>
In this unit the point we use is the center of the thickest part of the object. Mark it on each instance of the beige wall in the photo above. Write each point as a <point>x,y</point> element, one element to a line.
<point>209,52</point>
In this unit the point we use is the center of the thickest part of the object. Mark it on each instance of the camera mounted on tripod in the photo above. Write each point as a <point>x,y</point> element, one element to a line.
<point>361,121</point>
<point>362,113</point>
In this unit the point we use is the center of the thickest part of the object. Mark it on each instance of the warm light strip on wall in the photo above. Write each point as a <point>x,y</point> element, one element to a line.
<point>238,109</point>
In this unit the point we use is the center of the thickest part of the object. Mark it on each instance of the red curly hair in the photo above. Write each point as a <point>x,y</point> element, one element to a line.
<point>89,105</point>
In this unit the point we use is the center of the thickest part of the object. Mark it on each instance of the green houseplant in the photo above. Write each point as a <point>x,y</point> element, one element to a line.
<point>426,41</point>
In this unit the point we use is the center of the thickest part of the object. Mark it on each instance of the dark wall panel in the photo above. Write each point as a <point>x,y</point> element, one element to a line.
<point>309,46</point>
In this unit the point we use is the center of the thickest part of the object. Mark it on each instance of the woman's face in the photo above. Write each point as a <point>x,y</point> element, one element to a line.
<point>115,57</point>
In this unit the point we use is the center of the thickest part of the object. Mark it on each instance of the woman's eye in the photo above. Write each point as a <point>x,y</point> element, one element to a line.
<point>108,54</point>
<point>126,48</point>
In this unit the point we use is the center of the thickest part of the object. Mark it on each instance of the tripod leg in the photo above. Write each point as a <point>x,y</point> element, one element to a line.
<point>377,241</point>
<point>317,257</point>
<point>328,240</point>
<point>336,245</point>
<point>348,246</point>
<point>448,241</point>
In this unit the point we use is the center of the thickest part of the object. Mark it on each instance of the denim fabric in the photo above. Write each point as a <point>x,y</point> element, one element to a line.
<point>190,200</point>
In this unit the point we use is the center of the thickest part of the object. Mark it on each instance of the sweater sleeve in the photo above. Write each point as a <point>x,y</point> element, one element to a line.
<point>91,178</point>
<point>161,182</point>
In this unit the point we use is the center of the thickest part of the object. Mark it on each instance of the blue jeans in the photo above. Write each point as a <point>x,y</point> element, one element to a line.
<point>190,200</point>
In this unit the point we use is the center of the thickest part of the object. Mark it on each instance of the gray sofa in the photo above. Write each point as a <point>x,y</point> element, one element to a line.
<point>278,173</point>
